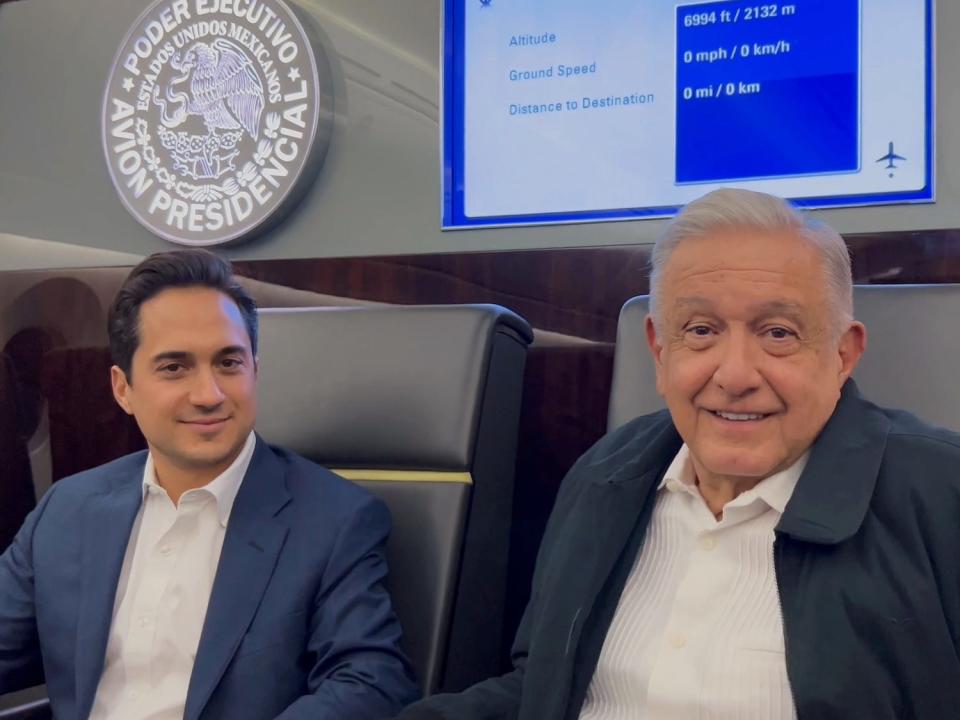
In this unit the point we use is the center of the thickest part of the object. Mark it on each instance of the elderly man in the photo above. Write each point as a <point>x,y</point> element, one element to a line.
<point>771,547</point>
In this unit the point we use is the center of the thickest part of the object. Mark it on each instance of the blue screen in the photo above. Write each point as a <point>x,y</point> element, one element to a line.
<point>567,111</point>
<point>783,67</point>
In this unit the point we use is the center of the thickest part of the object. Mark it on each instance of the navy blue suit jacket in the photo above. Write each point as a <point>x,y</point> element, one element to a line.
<point>299,624</point>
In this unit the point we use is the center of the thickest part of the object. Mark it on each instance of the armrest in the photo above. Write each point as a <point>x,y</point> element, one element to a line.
<point>37,710</point>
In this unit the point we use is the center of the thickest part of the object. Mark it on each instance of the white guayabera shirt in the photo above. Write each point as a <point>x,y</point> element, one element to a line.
<point>698,631</point>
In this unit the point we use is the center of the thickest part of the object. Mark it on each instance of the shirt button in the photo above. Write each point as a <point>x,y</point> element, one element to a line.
<point>144,621</point>
<point>707,543</point>
<point>165,550</point>
<point>677,642</point>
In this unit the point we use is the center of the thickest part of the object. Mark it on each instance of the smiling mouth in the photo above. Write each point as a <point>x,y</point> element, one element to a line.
<point>206,422</point>
<point>740,417</point>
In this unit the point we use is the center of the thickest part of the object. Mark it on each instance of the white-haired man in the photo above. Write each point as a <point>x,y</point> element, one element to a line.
<point>772,546</point>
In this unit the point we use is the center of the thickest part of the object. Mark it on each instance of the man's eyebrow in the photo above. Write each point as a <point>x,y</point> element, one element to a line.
<point>693,303</point>
<point>779,307</point>
<point>232,350</point>
<point>182,355</point>
<point>171,355</point>
<point>761,311</point>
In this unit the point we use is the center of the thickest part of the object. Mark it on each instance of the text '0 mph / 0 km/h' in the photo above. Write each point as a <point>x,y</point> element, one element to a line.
<point>743,50</point>
<point>729,89</point>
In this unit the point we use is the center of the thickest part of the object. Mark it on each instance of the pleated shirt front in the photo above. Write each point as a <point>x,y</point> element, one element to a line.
<point>698,630</point>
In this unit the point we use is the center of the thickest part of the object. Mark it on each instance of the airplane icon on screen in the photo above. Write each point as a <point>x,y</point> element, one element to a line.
<point>889,158</point>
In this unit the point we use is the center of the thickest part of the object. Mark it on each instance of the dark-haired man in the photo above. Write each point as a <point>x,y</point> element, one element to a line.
<point>213,576</point>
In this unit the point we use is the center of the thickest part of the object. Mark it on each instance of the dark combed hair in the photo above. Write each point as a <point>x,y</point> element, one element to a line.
<point>159,272</point>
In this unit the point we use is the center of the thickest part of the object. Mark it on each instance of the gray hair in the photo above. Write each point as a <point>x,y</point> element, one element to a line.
<point>731,208</point>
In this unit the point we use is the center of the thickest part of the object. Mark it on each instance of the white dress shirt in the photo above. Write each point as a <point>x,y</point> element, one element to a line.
<point>698,631</point>
<point>162,595</point>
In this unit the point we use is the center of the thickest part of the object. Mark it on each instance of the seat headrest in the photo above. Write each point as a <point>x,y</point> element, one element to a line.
<point>387,387</point>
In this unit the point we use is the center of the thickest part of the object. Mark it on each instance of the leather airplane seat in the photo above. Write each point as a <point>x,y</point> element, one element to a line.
<point>17,496</point>
<point>420,405</point>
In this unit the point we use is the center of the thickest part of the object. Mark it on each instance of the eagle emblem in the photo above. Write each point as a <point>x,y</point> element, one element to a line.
<point>218,83</point>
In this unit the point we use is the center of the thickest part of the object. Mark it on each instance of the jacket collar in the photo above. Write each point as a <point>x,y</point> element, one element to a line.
<point>831,498</point>
<point>834,492</point>
<point>651,449</point>
<point>223,488</point>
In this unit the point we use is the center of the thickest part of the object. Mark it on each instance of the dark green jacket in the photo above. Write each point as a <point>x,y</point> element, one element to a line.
<point>867,557</point>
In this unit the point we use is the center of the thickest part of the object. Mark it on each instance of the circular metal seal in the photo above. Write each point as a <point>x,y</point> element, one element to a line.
<point>211,116</point>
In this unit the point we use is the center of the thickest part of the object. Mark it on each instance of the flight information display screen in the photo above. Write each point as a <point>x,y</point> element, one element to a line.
<point>568,111</point>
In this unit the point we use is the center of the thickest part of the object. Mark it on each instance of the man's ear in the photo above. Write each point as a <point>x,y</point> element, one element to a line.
<point>121,387</point>
<point>656,349</point>
<point>256,365</point>
<point>853,343</point>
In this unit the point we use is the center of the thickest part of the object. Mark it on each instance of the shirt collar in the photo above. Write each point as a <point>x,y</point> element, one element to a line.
<point>775,490</point>
<point>224,487</point>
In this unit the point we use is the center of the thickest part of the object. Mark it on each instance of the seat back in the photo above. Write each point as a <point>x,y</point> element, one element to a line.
<point>420,405</point>
<point>910,361</point>
<point>87,427</point>
<point>17,496</point>
<point>633,391</point>
<point>912,349</point>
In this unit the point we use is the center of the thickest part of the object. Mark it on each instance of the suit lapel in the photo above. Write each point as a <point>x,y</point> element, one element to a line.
<point>618,498</point>
<point>613,514</point>
<point>108,519</point>
<point>255,535</point>
<point>612,510</point>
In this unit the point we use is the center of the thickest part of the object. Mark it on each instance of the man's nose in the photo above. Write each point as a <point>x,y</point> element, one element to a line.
<point>206,391</point>
<point>736,371</point>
